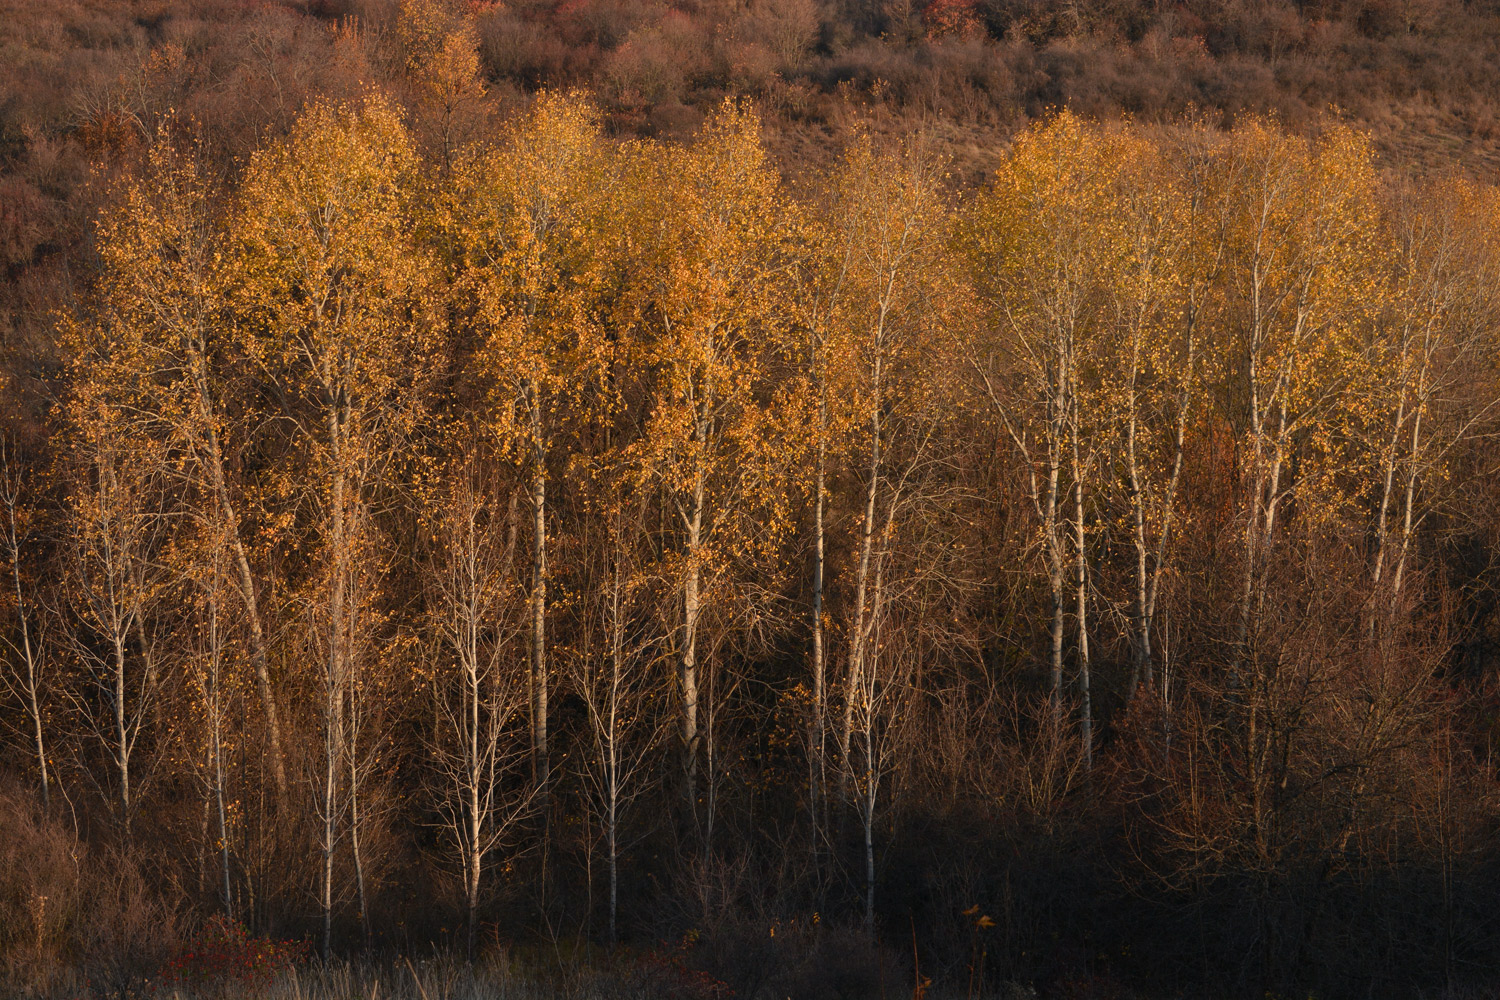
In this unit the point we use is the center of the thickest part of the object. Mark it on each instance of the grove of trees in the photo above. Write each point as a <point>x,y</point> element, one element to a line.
<point>525,536</point>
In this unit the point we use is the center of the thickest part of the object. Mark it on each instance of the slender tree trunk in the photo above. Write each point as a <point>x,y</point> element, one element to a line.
<point>223,821</point>
<point>1387,477</point>
<point>215,707</point>
<point>334,749</point>
<point>1081,607</point>
<point>612,838</point>
<point>711,810</point>
<point>32,683</point>
<point>331,749</point>
<point>474,763</point>
<point>36,722</point>
<point>471,899</point>
<point>691,609</point>
<point>869,830</point>
<point>857,650</point>
<point>540,765</point>
<point>122,734</point>
<point>1253,516</point>
<point>355,843</point>
<point>1169,506</point>
<point>1278,464</point>
<point>260,664</point>
<point>1141,641</point>
<point>815,734</point>
<point>1257,454</point>
<point>688,672</point>
<point>245,579</point>
<point>1247,575</point>
<point>1408,503</point>
<point>612,739</point>
<point>1054,567</point>
<point>1140,669</point>
<point>872,698</point>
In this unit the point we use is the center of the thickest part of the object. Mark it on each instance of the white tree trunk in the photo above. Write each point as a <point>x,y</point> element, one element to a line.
<point>539,680</point>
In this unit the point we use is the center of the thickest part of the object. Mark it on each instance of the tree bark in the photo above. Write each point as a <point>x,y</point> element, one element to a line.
<point>1081,608</point>
<point>32,681</point>
<point>857,649</point>
<point>539,680</point>
<point>337,544</point>
<point>691,609</point>
<point>213,465</point>
<point>815,733</point>
<point>122,733</point>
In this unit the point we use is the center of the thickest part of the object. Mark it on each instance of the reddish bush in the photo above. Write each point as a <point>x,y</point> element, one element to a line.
<point>664,971</point>
<point>224,953</point>
<point>952,17</point>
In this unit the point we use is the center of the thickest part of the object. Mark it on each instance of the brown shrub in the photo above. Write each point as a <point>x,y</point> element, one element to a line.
<point>23,223</point>
<point>41,870</point>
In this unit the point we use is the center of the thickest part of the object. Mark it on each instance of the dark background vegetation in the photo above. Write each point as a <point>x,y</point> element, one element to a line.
<point>1075,902</point>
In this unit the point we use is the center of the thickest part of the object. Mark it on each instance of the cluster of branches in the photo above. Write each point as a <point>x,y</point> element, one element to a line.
<point>554,483</point>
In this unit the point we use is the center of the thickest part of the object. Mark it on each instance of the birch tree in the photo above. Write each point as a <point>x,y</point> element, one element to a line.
<point>25,676</point>
<point>528,217</point>
<point>709,300</point>
<point>117,529</point>
<point>331,291</point>
<point>889,213</point>
<point>1432,345</point>
<point>611,669</point>
<point>474,605</point>
<point>175,364</point>
<point>1046,243</point>
<point>819,297</point>
<point>1299,280</point>
<point>1173,227</point>
<point>209,669</point>
<point>441,50</point>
